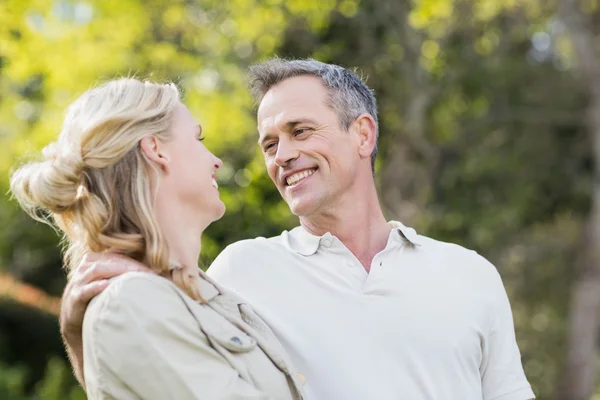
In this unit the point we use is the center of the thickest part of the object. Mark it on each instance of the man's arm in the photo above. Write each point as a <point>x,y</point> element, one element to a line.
<point>502,372</point>
<point>89,279</point>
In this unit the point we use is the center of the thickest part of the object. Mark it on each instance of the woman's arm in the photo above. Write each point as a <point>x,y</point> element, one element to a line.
<point>140,341</point>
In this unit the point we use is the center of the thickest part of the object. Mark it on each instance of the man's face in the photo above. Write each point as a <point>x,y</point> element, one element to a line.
<point>309,157</point>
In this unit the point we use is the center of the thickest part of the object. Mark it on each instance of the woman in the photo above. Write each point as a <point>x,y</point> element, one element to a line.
<point>129,174</point>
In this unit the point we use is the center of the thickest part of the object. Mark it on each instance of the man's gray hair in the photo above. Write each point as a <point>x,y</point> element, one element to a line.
<point>349,96</point>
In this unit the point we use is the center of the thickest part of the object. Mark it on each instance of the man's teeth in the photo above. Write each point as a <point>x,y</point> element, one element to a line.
<point>293,179</point>
<point>215,184</point>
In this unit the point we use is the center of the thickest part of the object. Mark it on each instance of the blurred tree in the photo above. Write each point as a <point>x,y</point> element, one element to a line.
<point>28,338</point>
<point>11,383</point>
<point>581,370</point>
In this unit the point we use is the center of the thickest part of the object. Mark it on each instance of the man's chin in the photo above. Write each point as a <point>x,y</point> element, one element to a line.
<point>301,208</point>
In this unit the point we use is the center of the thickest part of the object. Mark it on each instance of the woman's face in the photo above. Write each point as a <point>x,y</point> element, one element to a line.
<point>190,174</point>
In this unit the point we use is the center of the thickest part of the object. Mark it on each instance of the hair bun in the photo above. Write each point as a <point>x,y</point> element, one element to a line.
<point>52,184</point>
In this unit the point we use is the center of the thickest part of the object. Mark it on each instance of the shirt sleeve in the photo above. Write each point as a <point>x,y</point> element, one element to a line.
<point>502,372</point>
<point>140,341</point>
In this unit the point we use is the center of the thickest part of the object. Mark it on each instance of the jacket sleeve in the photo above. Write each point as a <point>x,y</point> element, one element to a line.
<point>140,341</point>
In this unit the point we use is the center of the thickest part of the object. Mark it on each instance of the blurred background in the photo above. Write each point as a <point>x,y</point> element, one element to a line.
<point>490,138</point>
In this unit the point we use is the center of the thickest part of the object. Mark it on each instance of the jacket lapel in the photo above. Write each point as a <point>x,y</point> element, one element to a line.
<point>239,313</point>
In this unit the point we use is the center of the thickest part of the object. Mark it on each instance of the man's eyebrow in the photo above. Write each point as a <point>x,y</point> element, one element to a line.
<point>289,125</point>
<point>263,139</point>
<point>297,121</point>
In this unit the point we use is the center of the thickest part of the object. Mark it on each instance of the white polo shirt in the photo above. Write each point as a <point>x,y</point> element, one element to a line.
<point>430,321</point>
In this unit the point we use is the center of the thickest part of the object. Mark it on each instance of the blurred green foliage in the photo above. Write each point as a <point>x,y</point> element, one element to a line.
<point>481,135</point>
<point>57,383</point>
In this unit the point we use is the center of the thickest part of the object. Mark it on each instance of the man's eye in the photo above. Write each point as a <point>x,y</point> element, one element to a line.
<point>300,131</point>
<point>269,146</point>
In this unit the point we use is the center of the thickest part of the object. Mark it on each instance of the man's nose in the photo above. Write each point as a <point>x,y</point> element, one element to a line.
<point>286,152</point>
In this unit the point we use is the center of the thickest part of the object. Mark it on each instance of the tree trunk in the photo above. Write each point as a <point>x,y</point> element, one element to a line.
<point>405,177</point>
<point>580,375</point>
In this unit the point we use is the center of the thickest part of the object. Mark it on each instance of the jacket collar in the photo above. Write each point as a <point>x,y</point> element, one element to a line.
<point>207,287</point>
<point>240,314</point>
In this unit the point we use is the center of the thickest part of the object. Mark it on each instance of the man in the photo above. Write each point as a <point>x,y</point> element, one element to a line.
<point>367,309</point>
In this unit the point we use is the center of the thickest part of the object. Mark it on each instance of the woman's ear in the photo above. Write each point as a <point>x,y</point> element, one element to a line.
<point>366,128</point>
<point>155,151</point>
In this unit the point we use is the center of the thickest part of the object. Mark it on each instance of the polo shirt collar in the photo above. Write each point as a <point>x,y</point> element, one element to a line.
<point>408,234</point>
<point>305,243</point>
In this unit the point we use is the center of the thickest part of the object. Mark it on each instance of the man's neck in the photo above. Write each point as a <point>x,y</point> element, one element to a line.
<point>362,228</point>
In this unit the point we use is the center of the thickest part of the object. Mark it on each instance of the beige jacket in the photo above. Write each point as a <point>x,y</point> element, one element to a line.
<point>144,338</point>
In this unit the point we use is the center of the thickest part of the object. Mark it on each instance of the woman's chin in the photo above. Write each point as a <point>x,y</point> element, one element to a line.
<point>219,211</point>
<point>209,213</point>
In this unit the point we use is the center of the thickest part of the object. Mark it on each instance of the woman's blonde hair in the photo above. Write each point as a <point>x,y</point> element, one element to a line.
<point>95,182</point>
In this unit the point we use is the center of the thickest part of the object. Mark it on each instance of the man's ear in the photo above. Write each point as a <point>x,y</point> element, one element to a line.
<point>155,151</point>
<point>366,129</point>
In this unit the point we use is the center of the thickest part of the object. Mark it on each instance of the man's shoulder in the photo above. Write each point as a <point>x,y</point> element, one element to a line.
<point>426,245</point>
<point>258,245</point>
<point>451,248</point>
<point>257,251</point>
<point>455,254</point>
<point>454,262</point>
